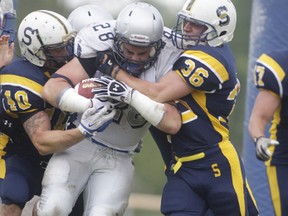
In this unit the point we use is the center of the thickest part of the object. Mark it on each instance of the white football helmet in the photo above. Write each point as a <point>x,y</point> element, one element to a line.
<point>138,24</point>
<point>87,14</point>
<point>43,31</point>
<point>219,17</point>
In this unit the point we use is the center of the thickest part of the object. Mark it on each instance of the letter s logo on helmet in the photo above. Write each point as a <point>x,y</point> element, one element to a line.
<point>27,39</point>
<point>223,15</point>
<point>41,31</point>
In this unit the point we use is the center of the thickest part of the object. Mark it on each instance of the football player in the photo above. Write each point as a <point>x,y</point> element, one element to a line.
<point>103,166</point>
<point>270,108</point>
<point>206,171</point>
<point>87,14</point>
<point>31,129</point>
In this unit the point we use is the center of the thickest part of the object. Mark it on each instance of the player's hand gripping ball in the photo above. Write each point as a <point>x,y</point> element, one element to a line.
<point>84,88</point>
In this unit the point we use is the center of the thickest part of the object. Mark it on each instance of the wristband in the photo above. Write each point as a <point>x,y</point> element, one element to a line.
<point>257,138</point>
<point>151,110</point>
<point>71,101</point>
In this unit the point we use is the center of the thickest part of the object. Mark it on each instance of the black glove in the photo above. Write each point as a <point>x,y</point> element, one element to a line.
<point>113,89</point>
<point>106,62</point>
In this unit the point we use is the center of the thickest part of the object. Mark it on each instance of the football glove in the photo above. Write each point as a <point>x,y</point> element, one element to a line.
<point>106,62</point>
<point>262,147</point>
<point>96,120</point>
<point>100,102</point>
<point>114,89</point>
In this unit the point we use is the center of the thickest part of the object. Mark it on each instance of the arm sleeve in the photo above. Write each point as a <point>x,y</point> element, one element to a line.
<point>90,65</point>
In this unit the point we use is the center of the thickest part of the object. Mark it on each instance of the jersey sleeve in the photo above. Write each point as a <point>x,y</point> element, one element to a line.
<point>90,65</point>
<point>201,70</point>
<point>268,74</point>
<point>94,38</point>
<point>22,99</point>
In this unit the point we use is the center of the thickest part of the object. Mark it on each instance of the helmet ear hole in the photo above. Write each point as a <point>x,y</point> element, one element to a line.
<point>223,33</point>
<point>152,52</point>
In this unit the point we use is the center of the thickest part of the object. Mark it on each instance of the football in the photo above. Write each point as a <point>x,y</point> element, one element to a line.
<point>84,88</point>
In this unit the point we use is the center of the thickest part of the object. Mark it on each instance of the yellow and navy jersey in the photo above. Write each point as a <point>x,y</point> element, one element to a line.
<point>21,86</point>
<point>211,73</point>
<point>270,73</point>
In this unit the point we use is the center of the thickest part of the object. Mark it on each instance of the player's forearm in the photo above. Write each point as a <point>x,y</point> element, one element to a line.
<point>171,121</point>
<point>169,88</point>
<point>53,141</point>
<point>256,126</point>
<point>53,89</point>
<point>163,116</point>
<point>265,105</point>
<point>48,141</point>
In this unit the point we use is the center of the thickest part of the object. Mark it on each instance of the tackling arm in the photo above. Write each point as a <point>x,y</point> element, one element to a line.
<point>59,93</point>
<point>49,141</point>
<point>164,116</point>
<point>169,88</point>
<point>161,115</point>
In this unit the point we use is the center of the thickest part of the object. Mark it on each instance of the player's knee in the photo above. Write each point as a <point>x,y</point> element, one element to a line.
<point>53,208</point>
<point>57,210</point>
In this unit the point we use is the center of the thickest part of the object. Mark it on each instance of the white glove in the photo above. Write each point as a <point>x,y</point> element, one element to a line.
<point>96,120</point>
<point>114,89</point>
<point>262,145</point>
<point>98,102</point>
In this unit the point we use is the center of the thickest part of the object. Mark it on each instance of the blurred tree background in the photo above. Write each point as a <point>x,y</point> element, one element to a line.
<point>149,176</point>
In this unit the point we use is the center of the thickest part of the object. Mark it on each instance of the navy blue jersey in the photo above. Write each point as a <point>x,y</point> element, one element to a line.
<point>211,73</point>
<point>206,163</point>
<point>21,86</point>
<point>271,74</point>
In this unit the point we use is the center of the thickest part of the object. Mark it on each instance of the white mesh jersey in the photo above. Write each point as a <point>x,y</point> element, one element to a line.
<point>128,126</point>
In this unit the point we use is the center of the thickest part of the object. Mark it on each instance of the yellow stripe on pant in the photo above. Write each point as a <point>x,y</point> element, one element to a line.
<point>4,139</point>
<point>179,162</point>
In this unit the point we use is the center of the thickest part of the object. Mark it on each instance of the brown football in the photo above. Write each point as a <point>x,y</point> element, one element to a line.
<point>85,87</point>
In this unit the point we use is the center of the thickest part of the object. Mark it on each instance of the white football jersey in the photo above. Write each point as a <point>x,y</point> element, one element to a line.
<point>128,126</point>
